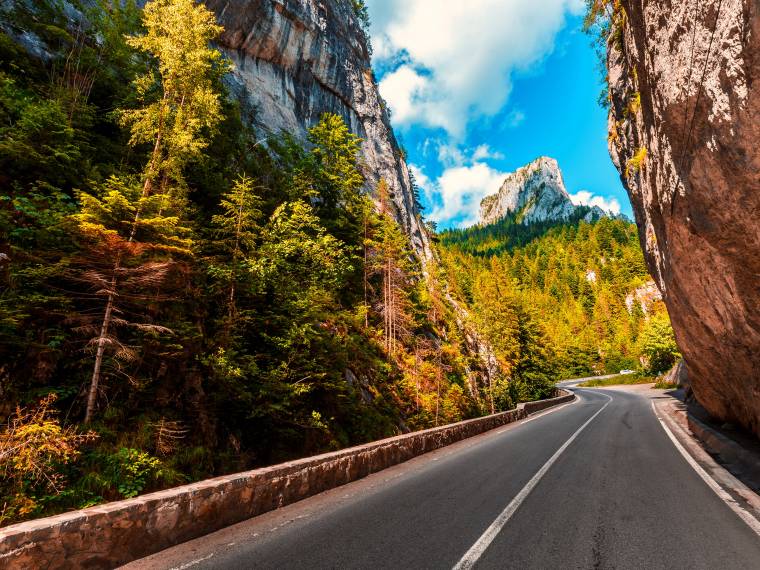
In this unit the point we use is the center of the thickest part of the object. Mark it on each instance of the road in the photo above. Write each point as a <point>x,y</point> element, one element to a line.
<point>593,484</point>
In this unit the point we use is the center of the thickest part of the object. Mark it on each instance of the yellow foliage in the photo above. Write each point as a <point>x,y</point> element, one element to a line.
<point>634,104</point>
<point>32,447</point>
<point>636,162</point>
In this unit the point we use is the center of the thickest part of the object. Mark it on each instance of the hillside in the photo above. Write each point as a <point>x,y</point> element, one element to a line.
<point>567,298</point>
<point>196,276</point>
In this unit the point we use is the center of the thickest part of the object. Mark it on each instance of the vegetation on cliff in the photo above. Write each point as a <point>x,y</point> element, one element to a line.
<point>205,301</point>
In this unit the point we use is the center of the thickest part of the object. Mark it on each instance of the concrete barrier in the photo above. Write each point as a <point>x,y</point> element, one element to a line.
<point>108,535</point>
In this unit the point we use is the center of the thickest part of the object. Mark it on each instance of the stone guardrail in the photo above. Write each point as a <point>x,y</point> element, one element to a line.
<point>115,533</point>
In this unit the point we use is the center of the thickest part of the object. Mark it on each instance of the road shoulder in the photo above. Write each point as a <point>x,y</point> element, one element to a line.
<point>675,419</point>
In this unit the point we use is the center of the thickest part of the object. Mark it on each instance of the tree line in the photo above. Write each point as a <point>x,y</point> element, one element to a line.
<point>570,281</point>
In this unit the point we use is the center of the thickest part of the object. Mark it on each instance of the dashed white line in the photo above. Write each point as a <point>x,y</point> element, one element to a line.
<point>476,551</point>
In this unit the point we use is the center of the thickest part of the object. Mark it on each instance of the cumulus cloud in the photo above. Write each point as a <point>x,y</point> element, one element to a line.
<point>458,57</point>
<point>586,198</point>
<point>457,193</point>
<point>454,155</point>
<point>484,152</point>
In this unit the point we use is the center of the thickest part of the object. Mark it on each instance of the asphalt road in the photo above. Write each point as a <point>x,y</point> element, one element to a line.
<point>594,484</point>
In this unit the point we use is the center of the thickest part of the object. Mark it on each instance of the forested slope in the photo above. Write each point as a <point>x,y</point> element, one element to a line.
<point>559,298</point>
<point>181,295</point>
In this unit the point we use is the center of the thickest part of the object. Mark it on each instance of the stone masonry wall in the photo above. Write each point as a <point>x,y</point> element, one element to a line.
<point>109,535</point>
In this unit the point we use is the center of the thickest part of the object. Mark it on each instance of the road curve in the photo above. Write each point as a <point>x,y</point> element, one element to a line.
<point>612,492</point>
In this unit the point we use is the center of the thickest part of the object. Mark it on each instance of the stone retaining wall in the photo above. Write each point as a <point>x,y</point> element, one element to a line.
<point>108,535</point>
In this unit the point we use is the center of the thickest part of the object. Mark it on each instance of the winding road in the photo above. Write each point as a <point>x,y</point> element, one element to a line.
<point>596,483</point>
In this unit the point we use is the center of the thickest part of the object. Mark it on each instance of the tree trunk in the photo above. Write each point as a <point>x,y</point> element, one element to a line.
<point>95,381</point>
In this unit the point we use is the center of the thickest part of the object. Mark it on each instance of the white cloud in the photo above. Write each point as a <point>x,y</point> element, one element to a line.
<point>458,191</point>
<point>454,155</point>
<point>403,88</point>
<point>586,198</point>
<point>484,152</point>
<point>459,56</point>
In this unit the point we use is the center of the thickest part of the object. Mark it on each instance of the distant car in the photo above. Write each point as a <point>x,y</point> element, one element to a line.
<point>627,371</point>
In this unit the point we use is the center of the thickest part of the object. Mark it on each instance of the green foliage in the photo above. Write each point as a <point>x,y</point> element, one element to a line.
<point>658,345</point>
<point>604,22</point>
<point>362,13</point>
<point>180,104</point>
<point>131,470</point>
<point>571,280</point>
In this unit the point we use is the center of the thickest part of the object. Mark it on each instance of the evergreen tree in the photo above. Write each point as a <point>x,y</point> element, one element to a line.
<point>237,235</point>
<point>179,105</point>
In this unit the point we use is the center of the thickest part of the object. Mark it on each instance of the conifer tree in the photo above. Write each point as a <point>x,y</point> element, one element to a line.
<point>391,261</point>
<point>180,108</point>
<point>238,229</point>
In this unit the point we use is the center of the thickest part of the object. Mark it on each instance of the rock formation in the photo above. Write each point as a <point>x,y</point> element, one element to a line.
<point>644,296</point>
<point>297,59</point>
<point>534,193</point>
<point>684,127</point>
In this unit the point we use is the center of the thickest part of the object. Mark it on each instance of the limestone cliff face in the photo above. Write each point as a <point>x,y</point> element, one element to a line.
<point>297,59</point>
<point>684,133</point>
<point>535,193</point>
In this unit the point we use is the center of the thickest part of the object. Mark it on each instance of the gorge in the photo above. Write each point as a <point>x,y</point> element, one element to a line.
<point>214,256</point>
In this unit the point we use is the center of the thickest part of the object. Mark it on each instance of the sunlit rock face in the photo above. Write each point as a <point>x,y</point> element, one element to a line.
<point>535,193</point>
<point>297,59</point>
<point>696,195</point>
<point>643,297</point>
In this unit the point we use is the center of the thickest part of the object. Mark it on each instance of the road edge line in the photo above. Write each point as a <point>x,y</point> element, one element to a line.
<point>724,495</point>
<point>481,545</point>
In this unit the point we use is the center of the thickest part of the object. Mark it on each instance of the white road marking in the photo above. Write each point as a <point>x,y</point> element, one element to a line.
<point>743,514</point>
<point>192,563</point>
<point>480,546</point>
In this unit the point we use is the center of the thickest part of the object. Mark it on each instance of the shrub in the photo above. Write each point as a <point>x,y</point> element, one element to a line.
<point>635,163</point>
<point>132,470</point>
<point>34,450</point>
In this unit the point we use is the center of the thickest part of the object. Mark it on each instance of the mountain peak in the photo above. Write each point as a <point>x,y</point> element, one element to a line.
<point>534,193</point>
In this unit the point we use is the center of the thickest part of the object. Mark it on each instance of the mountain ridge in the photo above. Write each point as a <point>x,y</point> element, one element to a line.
<point>535,193</point>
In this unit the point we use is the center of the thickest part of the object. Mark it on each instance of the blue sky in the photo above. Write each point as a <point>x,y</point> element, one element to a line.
<point>480,88</point>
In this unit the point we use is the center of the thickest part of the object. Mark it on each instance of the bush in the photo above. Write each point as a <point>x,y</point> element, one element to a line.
<point>34,450</point>
<point>132,470</point>
<point>658,345</point>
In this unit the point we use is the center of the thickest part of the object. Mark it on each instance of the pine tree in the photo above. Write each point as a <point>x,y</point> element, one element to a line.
<point>391,261</point>
<point>181,106</point>
<point>238,231</point>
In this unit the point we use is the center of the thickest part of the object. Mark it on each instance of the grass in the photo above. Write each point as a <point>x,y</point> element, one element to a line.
<point>660,385</point>
<point>636,162</point>
<point>622,379</point>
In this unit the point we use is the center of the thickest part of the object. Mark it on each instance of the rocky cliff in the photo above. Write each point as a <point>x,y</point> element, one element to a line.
<point>297,59</point>
<point>535,193</point>
<point>684,129</point>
